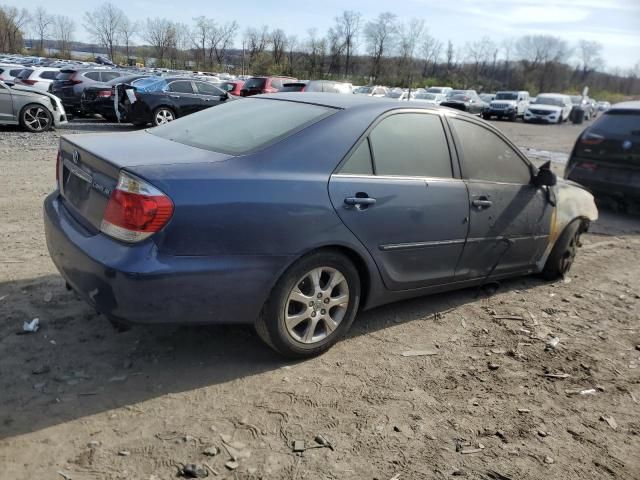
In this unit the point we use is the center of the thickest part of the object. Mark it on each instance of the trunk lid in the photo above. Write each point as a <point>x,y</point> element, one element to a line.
<point>613,139</point>
<point>90,166</point>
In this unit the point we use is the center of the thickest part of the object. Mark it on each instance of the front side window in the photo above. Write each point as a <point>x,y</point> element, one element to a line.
<point>205,88</point>
<point>488,157</point>
<point>411,145</point>
<point>181,86</point>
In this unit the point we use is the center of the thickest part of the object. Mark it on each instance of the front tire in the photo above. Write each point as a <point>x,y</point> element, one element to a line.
<point>163,115</point>
<point>312,306</point>
<point>564,252</point>
<point>36,118</point>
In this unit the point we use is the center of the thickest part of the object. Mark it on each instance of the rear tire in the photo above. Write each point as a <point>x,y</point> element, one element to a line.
<point>312,306</point>
<point>564,252</point>
<point>163,115</point>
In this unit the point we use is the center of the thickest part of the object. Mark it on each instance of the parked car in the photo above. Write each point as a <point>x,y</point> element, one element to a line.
<point>584,103</point>
<point>606,156</point>
<point>98,98</point>
<point>9,71</point>
<point>372,91</point>
<point>162,100</point>
<point>444,90</point>
<point>430,98</point>
<point>258,85</point>
<point>214,218</point>
<point>232,87</point>
<point>293,86</point>
<point>71,82</point>
<point>509,105</point>
<point>549,108</point>
<point>603,106</point>
<point>39,78</point>
<point>327,86</point>
<point>467,102</point>
<point>487,97</point>
<point>34,110</point>
<point>400,95</point>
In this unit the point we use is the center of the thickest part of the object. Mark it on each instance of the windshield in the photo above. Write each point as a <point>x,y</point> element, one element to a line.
<point>364,90</point>
<point>426,96</point>
<point>460,97</point>
<point>434,90</point>
<point>506,96</point>
<point>255,83</point>
<point>549,101</point>
<point>619,122</point>
<point>242,126</point>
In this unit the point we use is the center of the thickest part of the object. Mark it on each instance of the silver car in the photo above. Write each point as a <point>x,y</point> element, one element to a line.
<point>34,110</point>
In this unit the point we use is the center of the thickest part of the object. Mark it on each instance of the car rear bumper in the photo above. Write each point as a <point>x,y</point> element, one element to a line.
<point>103,107</point>
<point>620,182</point>
<point>137,284</point>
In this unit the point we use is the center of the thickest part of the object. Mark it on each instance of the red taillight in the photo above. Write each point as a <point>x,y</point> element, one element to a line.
<point>588,166</point>
<point>29,82</point>
<point>590,138</point>
<point>136,210</point>
<point>104,93</point>
<point>58,160</point>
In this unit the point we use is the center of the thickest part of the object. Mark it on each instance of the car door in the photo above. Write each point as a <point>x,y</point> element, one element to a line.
<point>400,194</point>
<point>210,95</point>
<point>510,218</point>
<point>182,97</point>
<point>6,105</point>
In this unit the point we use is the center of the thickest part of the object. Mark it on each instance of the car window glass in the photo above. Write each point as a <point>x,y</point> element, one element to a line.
<point>93,76</point>
<point>14,73</point>
<point>181,86</point>
<point>205,88</point>
<point>48,75</point>
<point>359,163</point>
<point>276,83</point>
<point>106,76</point>
<point>411,144</point>
<point>488,157</point>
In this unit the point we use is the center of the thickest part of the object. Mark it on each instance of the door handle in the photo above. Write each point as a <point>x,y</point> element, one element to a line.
<point>482,202</point>
<point>361,201</point>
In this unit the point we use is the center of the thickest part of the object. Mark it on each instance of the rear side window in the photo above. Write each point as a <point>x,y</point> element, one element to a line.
<point>619,122</point>
<point>48,75</point>
<point>181,86</point>
<point>276,83</point>
<point>411,145</point>
<point>108,76</point>
<point>241,126</point>
<point>24,74</point>
<point>255,83</point>
<point>13,73</point>
<point>359,163</point>
<point>95,76</point>
<point>488,157</point>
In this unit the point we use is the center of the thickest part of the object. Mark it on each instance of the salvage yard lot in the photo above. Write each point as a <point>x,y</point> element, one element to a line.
<point>489,399</point>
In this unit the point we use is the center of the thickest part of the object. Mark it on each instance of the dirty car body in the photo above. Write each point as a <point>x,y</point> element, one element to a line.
<point>340,176</point>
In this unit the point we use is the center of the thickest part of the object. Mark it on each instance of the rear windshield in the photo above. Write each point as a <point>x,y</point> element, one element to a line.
<point>619,122</point>
<point>242,126</point>
<point>434,90</point>
<point>255,83</point>
<point>24,74</point>
<point>65,74</point>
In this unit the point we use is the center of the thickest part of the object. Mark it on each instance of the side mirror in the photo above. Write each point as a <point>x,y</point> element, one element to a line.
<point>224,96</point>
<point>545,177</point>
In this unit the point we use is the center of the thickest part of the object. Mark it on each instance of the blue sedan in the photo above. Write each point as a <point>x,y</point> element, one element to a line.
<point>292,212</point>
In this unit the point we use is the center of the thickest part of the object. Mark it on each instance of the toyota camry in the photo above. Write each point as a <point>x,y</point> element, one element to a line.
<point>293,212</point>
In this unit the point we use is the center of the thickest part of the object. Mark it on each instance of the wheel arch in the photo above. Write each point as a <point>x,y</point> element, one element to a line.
<point>31,104</point>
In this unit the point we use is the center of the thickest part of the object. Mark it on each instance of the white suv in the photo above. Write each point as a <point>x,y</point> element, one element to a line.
<point>39,78</point>
<point>509,105</point>
<point>549,108</point>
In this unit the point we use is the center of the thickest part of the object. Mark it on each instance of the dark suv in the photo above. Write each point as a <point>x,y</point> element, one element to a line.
<point>70,83</point>
<point>606,157</point>
<point>258,85</point>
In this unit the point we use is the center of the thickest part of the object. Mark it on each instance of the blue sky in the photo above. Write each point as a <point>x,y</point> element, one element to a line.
<point>614,23</point>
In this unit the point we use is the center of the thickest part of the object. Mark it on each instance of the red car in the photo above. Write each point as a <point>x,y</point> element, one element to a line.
<point>258,85</point>
<point>232,87</point>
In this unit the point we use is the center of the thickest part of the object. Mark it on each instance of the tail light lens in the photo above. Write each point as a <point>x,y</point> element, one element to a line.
<point>104,93</point>
<point>29,82</point>
<point>136,210</point>
<point>590,138</point>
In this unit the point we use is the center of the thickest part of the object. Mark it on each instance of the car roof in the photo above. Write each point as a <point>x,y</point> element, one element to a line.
<point>632,105</point>
<point>556,95</point>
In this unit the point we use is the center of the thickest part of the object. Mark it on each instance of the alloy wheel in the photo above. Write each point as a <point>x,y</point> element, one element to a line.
<point>164,116</point>
<point>570,254</point>
<point>316,305</point>
<point>37,119</point>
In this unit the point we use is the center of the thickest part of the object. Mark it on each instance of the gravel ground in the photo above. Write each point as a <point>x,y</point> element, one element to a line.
<point>490,401</point>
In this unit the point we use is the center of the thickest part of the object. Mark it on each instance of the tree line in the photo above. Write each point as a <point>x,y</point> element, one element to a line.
<point>384,50</point>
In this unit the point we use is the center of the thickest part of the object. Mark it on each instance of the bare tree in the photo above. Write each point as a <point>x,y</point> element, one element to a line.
<point>42,22</point>
<point>221,37</point>
<point>349,26</point>
<point>410,36</point>
<point>316,51</point>
<point>380,37</point>
<point>336,47</point>
<point>127,31</point>
<point>104,25</point>
<point>200,35</point>
<point>431,48</point>
<point>256,41</point>
<point>278,44</point>
<point>13,21</point>
<point>451,56</point>
<point>480,53</point>
<point>292,43</point>
<point>540,53</point>
<point>589,53</point>
<point>160,33</point>
<point>64,27</point>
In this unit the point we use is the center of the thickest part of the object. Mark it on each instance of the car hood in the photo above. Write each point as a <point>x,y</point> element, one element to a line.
<point>545,108</point>
<point>32,91</point>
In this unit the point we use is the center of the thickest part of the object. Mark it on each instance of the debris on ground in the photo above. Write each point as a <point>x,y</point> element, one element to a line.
<point>560,376</point>
<point>418,353</point>
<point>191,470</point>
<point>64,475</point>
<point>549,460</point>
<point>298,446</point>
<point>124,453</point>
<point>580,391</point>
<point>42,369</point>
<point>232,464</point>
<point>48,297</point>
<point>610,421</point>
<point>210,451</point>
<point>32,326</point>
<point>493,366</point>
<point>552,343</point>
<point>321,440</point>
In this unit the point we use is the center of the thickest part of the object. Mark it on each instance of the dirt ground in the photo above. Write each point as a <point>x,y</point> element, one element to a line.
<point>490,401</point>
